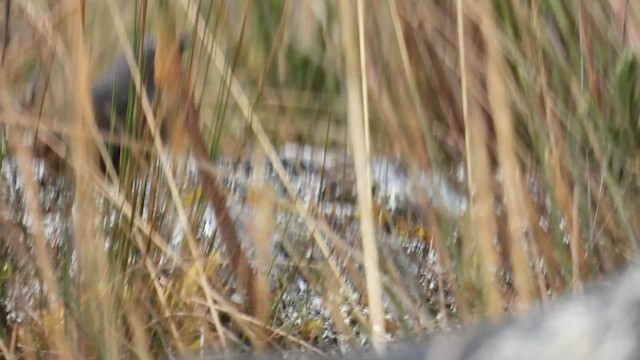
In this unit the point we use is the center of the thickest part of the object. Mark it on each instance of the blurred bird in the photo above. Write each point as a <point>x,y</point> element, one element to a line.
<point>111,94</point>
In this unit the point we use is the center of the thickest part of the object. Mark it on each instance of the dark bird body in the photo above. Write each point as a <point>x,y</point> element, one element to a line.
<point>111,94</point>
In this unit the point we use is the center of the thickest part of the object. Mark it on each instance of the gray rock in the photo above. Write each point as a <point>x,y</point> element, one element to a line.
<point>602,324</point>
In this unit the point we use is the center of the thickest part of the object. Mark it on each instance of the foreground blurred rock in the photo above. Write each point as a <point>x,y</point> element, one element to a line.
<point>602,324</point>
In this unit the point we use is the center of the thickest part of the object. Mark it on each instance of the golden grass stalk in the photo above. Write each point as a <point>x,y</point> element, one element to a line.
<point>356,112</point>
<point>479,171</point>
<point>97,278</point>
<point>262,229</point>
<point>515,191</point>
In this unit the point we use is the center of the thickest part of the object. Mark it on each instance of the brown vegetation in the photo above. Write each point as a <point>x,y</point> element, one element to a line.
<point>525,111</point>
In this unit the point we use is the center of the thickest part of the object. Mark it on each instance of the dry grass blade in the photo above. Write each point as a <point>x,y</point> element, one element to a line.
<point>262,228</point>
<point>356,118</point>
<point>480,170</point>
<point>96,277</point>
<point>515,191</point>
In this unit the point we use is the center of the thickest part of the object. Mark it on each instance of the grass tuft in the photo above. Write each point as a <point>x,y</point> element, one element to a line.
<point>309,174</point>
